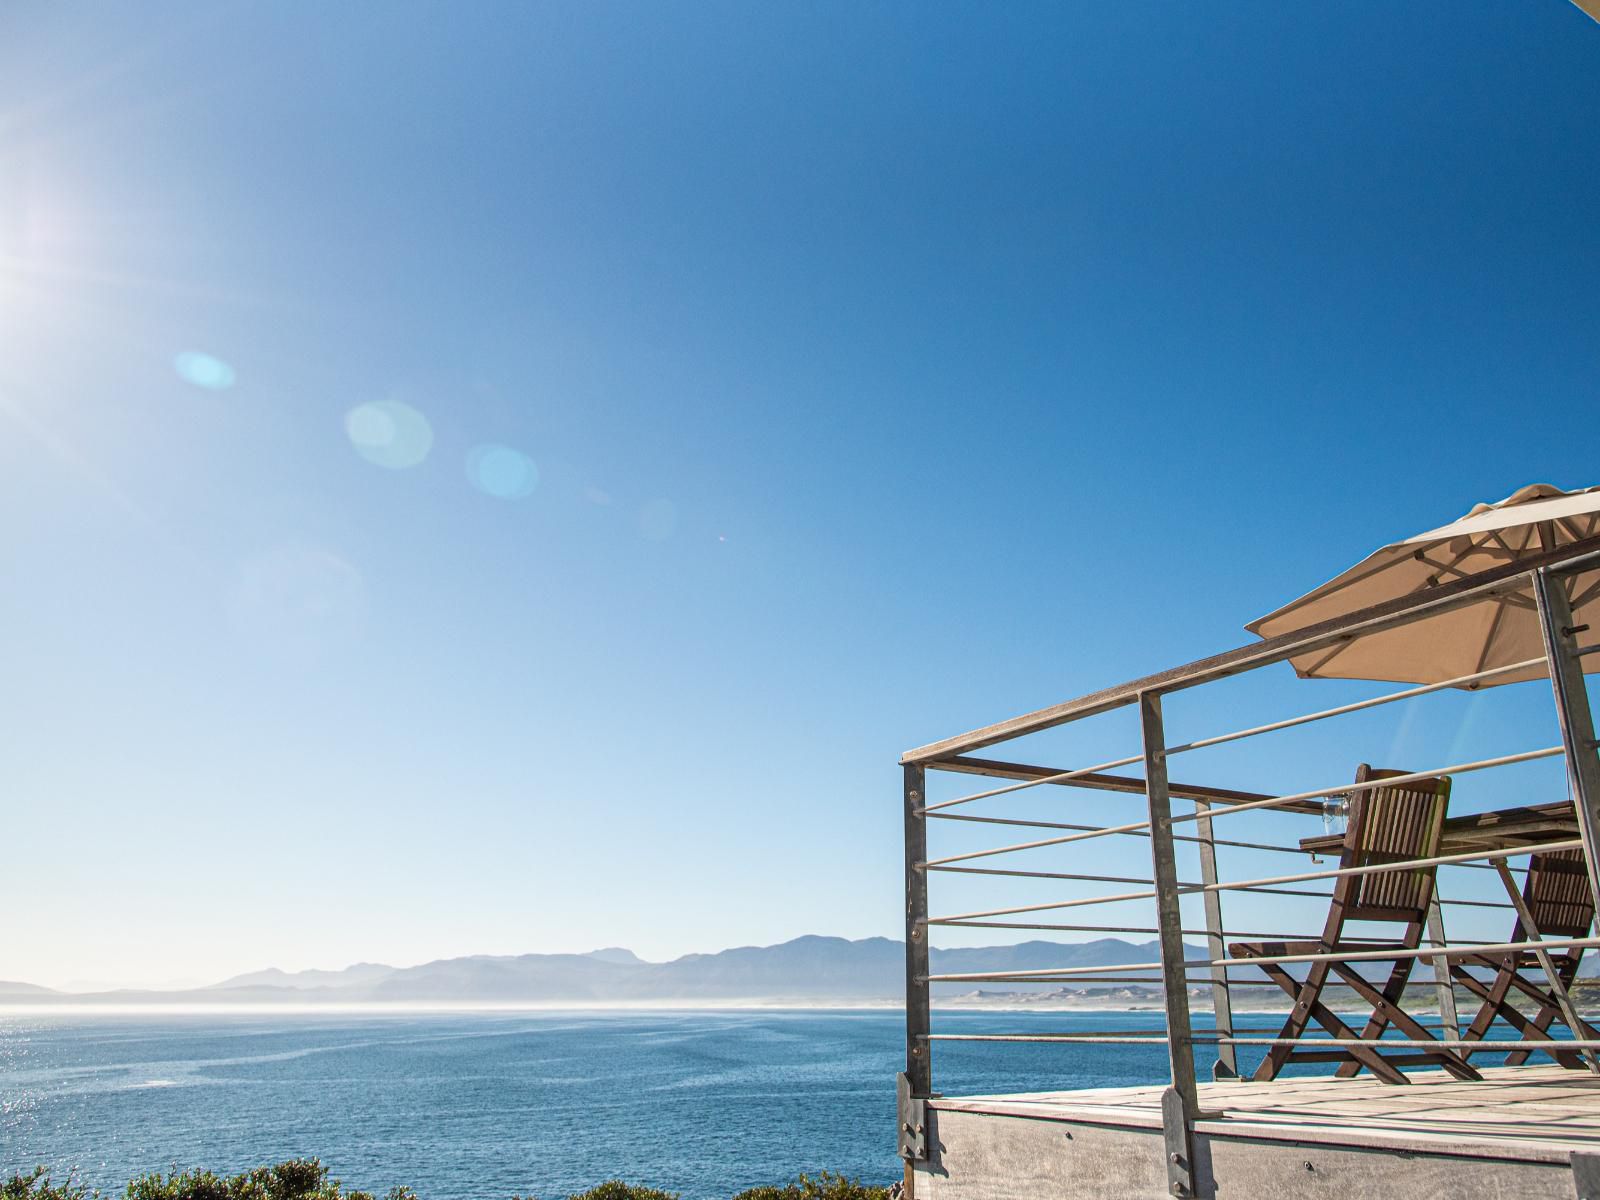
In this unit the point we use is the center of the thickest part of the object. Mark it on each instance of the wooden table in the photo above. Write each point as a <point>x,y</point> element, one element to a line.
<point>1497,830</point>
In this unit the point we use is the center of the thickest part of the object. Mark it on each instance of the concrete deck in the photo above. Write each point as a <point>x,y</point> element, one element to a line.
<point>1513,1135</point>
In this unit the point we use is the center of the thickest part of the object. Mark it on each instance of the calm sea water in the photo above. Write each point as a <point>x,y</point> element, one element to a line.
<point>491,1105</point>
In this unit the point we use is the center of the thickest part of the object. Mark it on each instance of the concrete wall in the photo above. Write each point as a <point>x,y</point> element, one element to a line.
<point>983,1156</point>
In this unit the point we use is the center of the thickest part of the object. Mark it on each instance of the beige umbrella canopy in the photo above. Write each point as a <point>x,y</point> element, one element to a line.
<point>1475,638</point>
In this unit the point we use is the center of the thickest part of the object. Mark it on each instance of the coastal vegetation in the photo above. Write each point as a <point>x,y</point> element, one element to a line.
<point>308,1179</point>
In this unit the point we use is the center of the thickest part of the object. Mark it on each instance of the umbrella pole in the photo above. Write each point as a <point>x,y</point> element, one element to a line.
<point>1572,710</point>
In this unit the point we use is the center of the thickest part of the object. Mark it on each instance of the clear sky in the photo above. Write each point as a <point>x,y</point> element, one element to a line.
<point>495,478</point>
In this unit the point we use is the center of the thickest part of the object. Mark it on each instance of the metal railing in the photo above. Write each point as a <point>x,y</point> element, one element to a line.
<point>1176,971</point>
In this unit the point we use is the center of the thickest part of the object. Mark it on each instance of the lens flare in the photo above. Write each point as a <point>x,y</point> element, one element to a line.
<point>389,434</point>
<point>502,472</point>
<point>203,370</point>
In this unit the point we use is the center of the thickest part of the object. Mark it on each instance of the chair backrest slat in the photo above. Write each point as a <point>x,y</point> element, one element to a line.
<point>1393,824</point>
<point>1558,894</point>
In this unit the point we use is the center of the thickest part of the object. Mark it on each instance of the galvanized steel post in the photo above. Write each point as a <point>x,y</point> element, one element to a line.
<point>1227,1064</point>
<point>917,1082</point>
<point>1572,710</point>
<point>1181,1103</point>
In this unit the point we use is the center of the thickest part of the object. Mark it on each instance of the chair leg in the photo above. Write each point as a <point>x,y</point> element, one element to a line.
<point>1496,1004</point>
<point>1308,1007</point>
<point>1386,1008</point>
<point>1549,1010</point>
<point>1393,989</point>
<point>1304,994</point>
<point>1493,996</point>
<point>1534,1032</point>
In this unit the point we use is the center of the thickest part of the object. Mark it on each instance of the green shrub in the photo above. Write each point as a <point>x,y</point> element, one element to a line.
<point>824,1187</point>
<point>39,1187</point>
<point>297,1179</point>
<point>307,1179</point>
<point>615,1189</point>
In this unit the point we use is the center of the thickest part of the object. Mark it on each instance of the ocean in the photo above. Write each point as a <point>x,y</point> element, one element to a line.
<point>490,1105</point>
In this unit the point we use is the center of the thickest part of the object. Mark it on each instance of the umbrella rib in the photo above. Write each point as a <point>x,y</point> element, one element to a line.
<point>1589,594</point>
<point>1488,640</point>
<point>1503,544</point>
<point>1520,601</point>
<point>1471,548</point>
<point>1327,658</point>
<point>1572,529</point>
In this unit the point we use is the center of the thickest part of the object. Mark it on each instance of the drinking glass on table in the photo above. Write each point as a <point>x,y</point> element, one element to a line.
<point>1336,814</point>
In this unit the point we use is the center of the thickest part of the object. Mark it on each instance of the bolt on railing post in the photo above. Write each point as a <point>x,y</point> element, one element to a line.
<point>1180,1104</point>
<point>917,1082</point>
<point>1572,710</point>
<point>1227,1064</point>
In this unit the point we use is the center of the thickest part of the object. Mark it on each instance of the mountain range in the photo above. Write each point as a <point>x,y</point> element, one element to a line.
<point>807,970</point>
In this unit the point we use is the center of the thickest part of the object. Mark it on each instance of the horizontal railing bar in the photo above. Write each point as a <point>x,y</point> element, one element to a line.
<point>1060,928</point>
<point>1081,777</point>
<point>1125,929</point>
<point>1178,837</point>
<point>1088,1039</point>
<point>1439,860</point>
<point>1269,802</point>
<point>1015,822</point>
<point>1152,980</point>
<point>1486,1045</point>
<point>1058,777</point>
<point>1247,885</point>
<point>1482,764</point>
<point>1041,874</point>
<point>1487,867</point>
<point>1478,903</point>
<point>1348,956</point>
<point>1401,610</point>
<point>1027,908</point>
<point>1065,1035</point>
<point>1134,1037</point>
<point>1195,964</point>
<point>1102,831</point>
<point>1115,898</point>
<point>1139,833</point>
<point>1342,709</point>
<point>1494,948</point>
<point>1319,855</point>
<point>1311,1045</point>
<point>1278,891</point>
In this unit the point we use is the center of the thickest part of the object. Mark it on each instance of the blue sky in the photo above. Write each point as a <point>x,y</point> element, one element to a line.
<point>864,373</point>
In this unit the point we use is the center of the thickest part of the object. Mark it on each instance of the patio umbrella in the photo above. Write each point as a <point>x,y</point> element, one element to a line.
<point>1491,633</point>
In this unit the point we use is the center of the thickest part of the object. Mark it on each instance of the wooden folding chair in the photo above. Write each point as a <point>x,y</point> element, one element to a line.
<point>1558,901</point>
<point>1386,824</point>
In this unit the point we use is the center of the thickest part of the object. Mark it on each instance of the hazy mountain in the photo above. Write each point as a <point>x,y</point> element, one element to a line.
<point>273,977</point>
<point>808,969</point>
<point>25,991</point>
<point>615,954</point>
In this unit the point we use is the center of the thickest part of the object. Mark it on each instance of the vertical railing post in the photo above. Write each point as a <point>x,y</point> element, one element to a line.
<point>1227,1064</point>
<point>1572,710</point>
<point>1181,1102</point>
<point>1444,985</point>
<point>916,1083</point>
